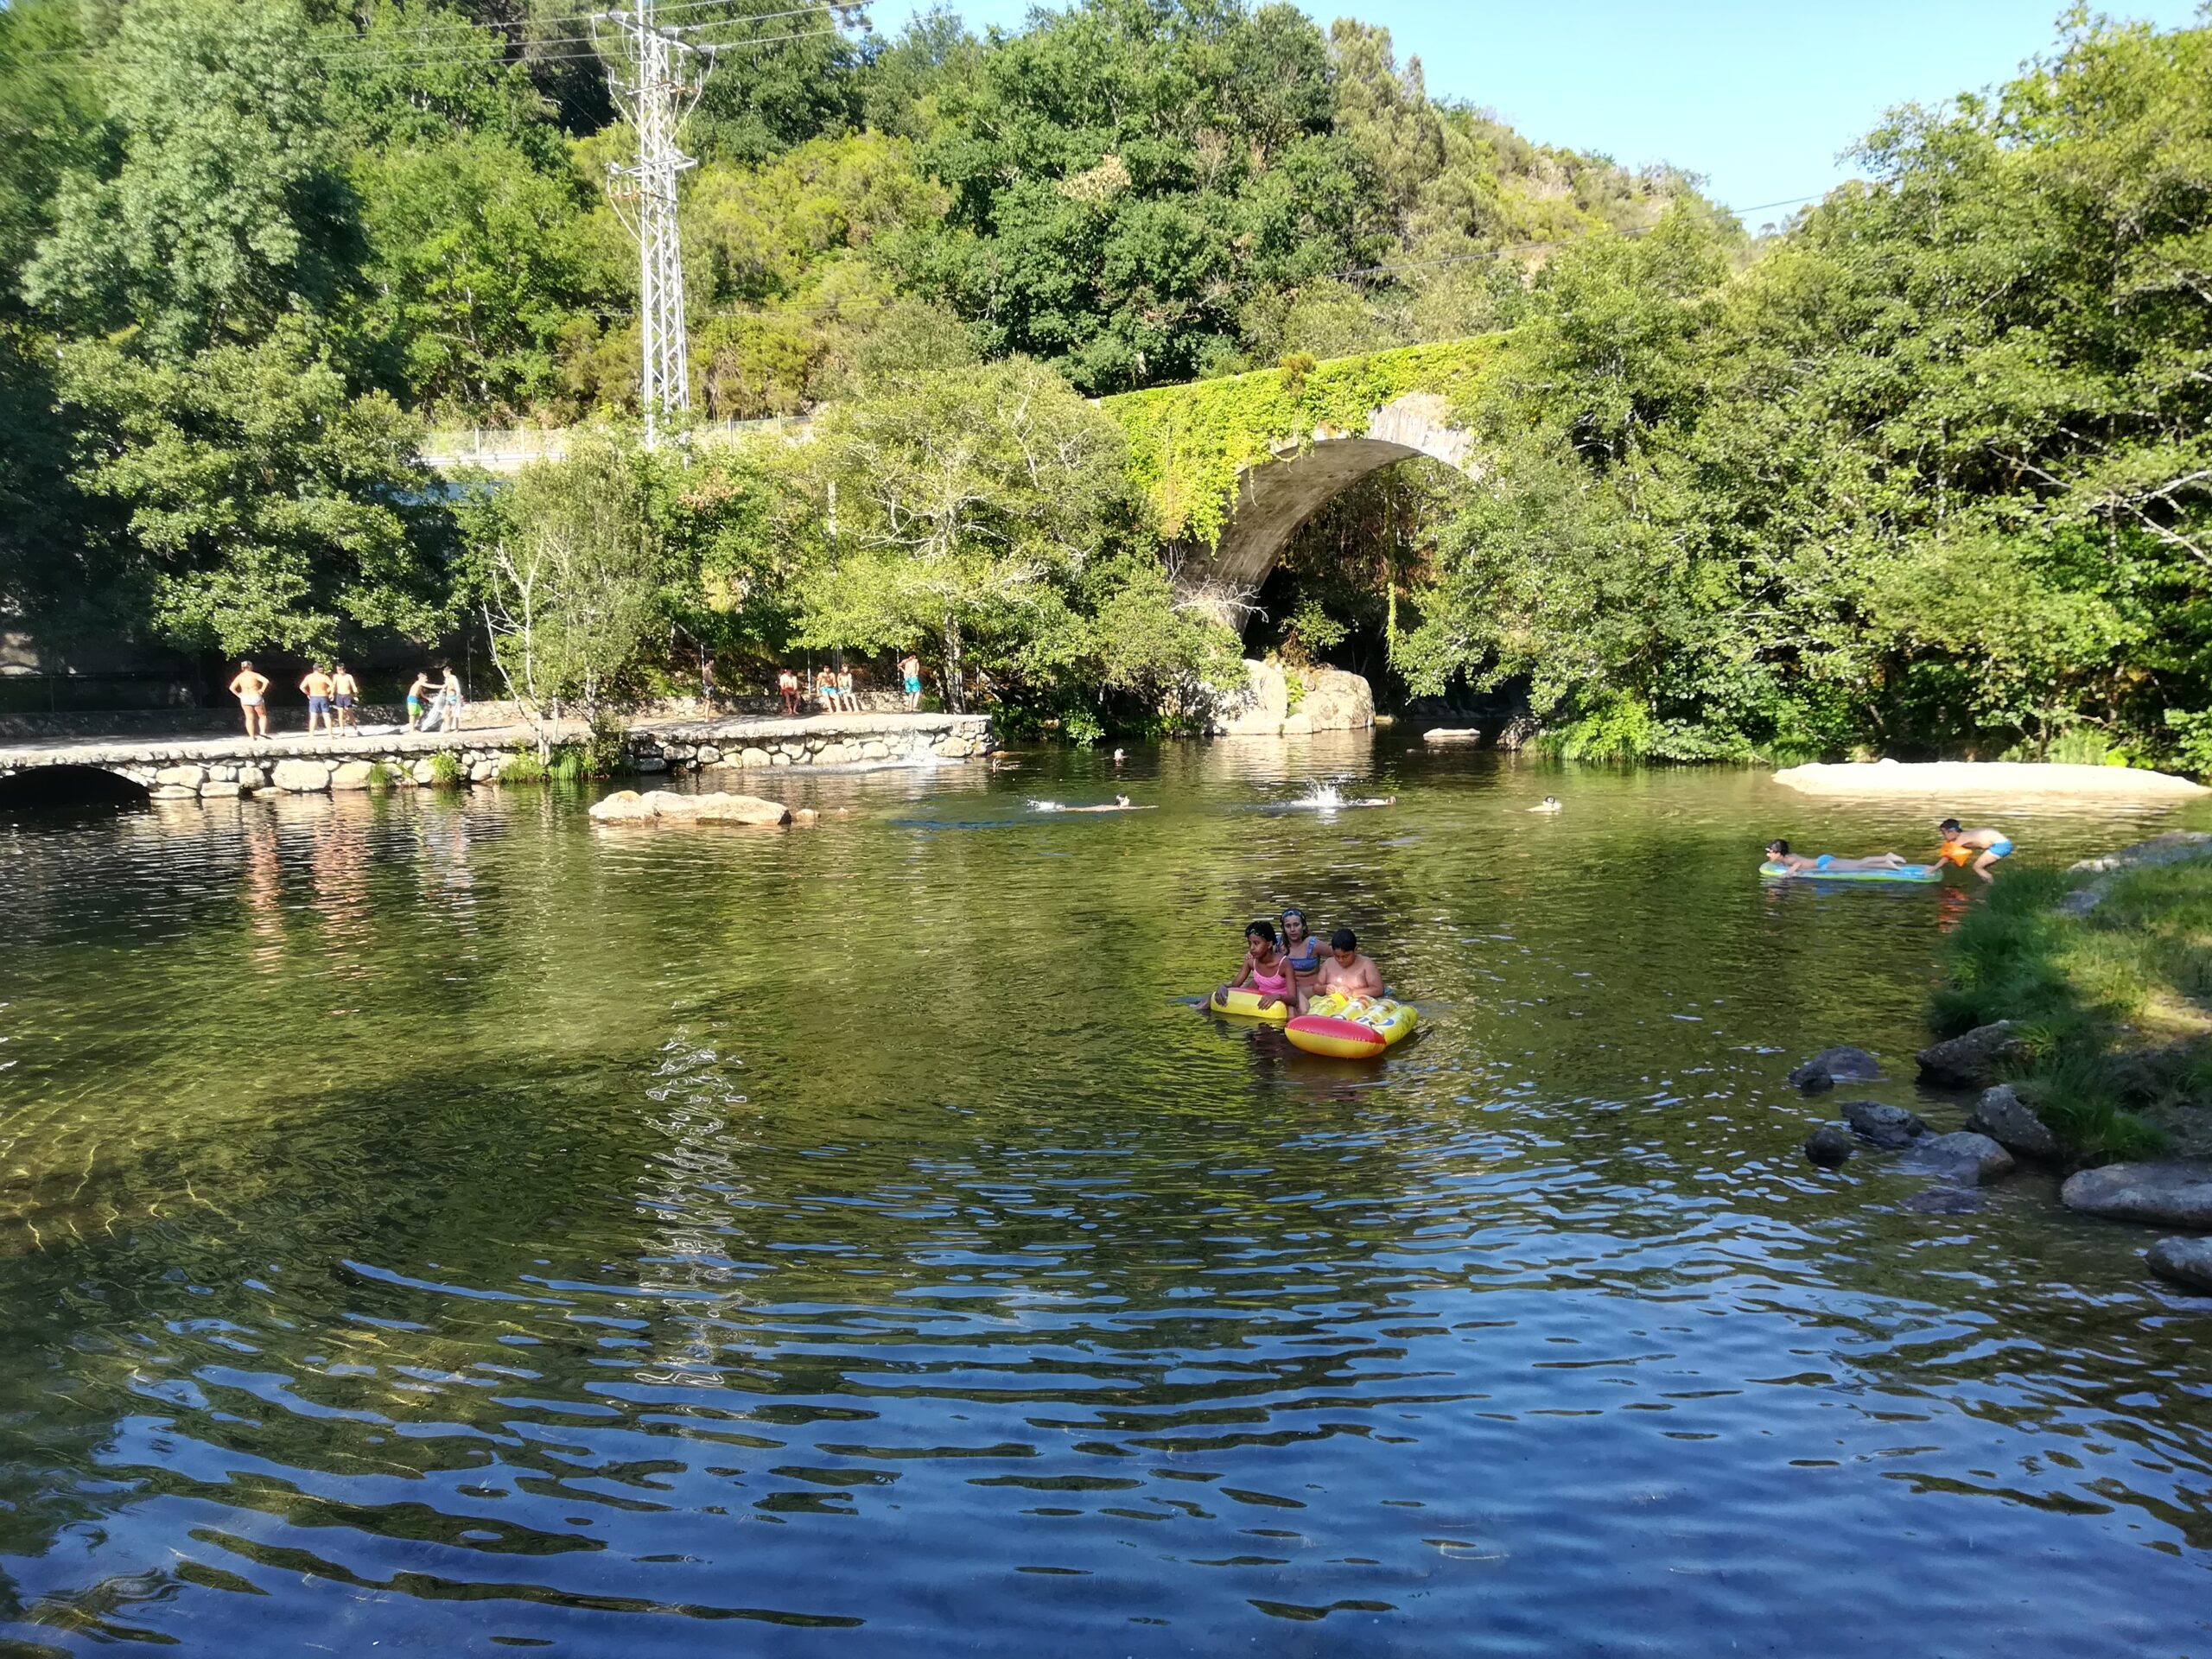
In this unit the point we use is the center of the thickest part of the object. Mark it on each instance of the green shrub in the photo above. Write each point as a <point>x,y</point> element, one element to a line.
<point>525,766</point>
<point>1082,726</point>
<point>445,770</point>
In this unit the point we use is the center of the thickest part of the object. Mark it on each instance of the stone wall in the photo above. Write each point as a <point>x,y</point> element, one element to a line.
<point>798,743</point>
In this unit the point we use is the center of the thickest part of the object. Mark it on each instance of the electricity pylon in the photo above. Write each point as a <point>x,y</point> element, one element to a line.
<point>658,79</point>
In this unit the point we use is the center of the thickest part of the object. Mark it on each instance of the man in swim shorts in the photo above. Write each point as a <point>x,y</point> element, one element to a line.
<point>1778,853</point>
<point>1981,848</point>
<point>316,685</point>
<point>909,674</point>
<point>344,691</point>
<point>251,687</point>
<point>1346,972</point>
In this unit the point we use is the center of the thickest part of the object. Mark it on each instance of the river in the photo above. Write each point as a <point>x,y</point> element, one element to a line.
<point>432,1222</point>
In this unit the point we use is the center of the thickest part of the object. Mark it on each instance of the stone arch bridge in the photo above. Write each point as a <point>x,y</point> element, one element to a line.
<point>1236,465</point>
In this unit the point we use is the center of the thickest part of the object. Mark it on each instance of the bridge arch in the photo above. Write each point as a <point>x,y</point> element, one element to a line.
<point>1276,496</point>
<point>70,786</point>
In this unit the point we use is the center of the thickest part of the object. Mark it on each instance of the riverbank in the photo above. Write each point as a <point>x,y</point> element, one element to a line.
<point>2103,973</point>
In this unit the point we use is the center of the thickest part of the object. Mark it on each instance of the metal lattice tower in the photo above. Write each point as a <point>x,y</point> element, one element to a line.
<point>656,77</point>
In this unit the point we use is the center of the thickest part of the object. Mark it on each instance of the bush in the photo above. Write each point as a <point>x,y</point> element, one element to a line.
<point>445,770</point>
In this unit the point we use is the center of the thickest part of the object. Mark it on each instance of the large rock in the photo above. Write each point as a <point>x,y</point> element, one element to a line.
<point>302,776</point>
<point>623,806</point>
<point>1842,1064</point>
<point>2185,1261</point>
<point>191,776</point>
<point>1967,1159</point>
<point>1336,701</point>
<point>2174,1193</point>
<point>1259,707</point>
<point>352,774</point>
<point>2007,1119</point>
<point>1977,1060</point>
<point>1829,1146</point>
<point>1885,1126</point>
<point>665,806</point>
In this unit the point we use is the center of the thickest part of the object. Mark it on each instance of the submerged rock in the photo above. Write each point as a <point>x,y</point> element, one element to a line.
<point>1829,1146</point>
<point>2007,1119</point>
<point>2177,1192</point>
<point>1885,1126</point>
<point>2186,1261</point>
<point>1965,1158</point>
<point>1976,1060</point>
<point>1945,1200</point>
<point>1842,1064</point>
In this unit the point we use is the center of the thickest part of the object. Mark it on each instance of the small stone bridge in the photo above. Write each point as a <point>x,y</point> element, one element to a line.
<point>295,763</point>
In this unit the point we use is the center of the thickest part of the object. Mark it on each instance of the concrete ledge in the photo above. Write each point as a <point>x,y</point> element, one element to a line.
<point>1987,777</point>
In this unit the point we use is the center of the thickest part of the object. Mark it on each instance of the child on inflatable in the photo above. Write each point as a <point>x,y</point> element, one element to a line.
<point>1778,853</point>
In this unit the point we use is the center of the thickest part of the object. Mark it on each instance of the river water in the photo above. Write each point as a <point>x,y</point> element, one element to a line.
<point>432,1223</point>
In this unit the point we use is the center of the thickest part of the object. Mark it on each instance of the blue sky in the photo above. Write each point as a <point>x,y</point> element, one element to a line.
<point>1760,96</point>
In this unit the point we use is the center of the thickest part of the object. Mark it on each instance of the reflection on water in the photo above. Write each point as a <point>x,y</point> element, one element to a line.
<point>435,1222</point>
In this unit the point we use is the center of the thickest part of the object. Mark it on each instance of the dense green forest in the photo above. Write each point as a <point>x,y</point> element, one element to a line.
<point>1929,470</point>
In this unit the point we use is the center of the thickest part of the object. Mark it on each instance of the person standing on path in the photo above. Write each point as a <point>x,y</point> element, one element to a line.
<point>910,672</point>
<point>449,700</point>
<point>345,692</point>
<point>251,687</point>
<point>416,693</point>
<point>316,685</point>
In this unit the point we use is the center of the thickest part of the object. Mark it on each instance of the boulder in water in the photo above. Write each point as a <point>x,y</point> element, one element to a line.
<point>2186,1261</point>
<point>1842,1064</point>
<point>2174,1193</point>
<point>1944,1201</point>
<point>1968,1159</point>
<point>1829,1146</point>
<point>2007,1119</point>
<point>1977,1060</point>
<point>1890,1126</point>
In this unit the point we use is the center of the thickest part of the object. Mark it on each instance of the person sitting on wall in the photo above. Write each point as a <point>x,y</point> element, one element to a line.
<point>787,682</point>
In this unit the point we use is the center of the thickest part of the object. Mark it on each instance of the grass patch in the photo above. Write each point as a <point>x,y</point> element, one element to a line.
<point>525,766</point>
<point>445,770</point>
<point>2116,1005</point>
<point>382,774</point>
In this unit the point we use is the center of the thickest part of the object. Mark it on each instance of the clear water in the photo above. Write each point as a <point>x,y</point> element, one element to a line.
<point>435,1224</point>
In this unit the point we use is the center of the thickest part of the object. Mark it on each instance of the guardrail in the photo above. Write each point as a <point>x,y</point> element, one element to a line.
<point>508,449</point>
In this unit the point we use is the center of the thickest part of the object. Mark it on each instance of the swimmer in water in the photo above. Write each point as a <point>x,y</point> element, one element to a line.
<point>1301,947</point>
<point>1346,972</point>
<point>1778,853</point>
<point>1372,800</point>
<point>1121,804</point>
<point>1266,971</point>
<point>1549,804</point>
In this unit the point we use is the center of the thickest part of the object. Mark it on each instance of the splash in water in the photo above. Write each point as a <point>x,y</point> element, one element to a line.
<point>1322,797</point>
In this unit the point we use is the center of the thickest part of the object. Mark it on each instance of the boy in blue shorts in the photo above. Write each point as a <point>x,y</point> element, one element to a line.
<point>1981,848</point>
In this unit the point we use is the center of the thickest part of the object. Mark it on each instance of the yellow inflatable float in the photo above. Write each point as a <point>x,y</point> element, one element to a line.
<point>1246,1006</point>
<point>1350,1027</point>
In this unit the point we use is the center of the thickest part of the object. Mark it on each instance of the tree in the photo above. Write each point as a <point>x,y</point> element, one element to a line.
<point>957,504</point>
<point>567,568</point>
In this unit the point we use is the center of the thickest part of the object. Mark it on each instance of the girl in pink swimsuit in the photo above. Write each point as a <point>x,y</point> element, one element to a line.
<point>1266,969</point>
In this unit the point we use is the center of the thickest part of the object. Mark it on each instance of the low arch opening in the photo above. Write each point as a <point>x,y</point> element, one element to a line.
<point>70,789</point>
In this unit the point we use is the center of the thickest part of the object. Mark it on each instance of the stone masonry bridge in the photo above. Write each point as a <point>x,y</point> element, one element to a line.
<point>295,763</point>
<point>1233,466</point>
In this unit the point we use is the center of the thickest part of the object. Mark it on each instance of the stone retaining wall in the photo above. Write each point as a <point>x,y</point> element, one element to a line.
<point>796,743</point>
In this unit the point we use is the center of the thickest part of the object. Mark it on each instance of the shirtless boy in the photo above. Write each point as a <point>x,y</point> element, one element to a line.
<point>315,685</point>
<point>1982,847</point>
<point>345,692</point>
<point>1778,853</point>
<point>250,687</point>
<point>1346,972</point>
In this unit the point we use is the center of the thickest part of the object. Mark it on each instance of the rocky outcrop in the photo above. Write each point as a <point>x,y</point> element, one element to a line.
<point>1829,1146</point>
<point>2007,1119</point>
<point>1965,1159</point>
<point>2176,847</point>
<point>1976,1060</point>
<point>1888,1127</point>
<point>1267,705</point>
<point>664,806</point>
<point>2173,1192</point>
<point>2185,1262</point>
<point>1842,1064</point>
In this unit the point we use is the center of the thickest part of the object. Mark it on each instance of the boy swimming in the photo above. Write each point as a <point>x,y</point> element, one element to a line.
<point>1980,847</point>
